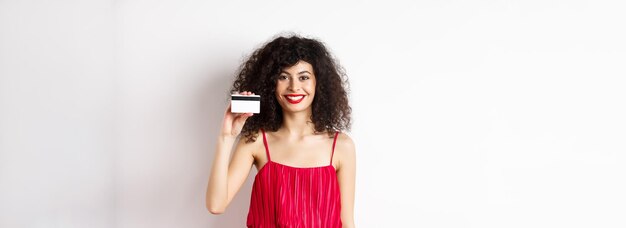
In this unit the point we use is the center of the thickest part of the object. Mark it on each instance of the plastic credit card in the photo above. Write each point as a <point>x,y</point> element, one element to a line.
<point>245,103</point>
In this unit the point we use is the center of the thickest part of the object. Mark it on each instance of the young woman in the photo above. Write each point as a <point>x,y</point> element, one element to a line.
<point>306,165</point>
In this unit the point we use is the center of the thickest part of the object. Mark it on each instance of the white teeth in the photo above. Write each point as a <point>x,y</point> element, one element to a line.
<point>294,98</point>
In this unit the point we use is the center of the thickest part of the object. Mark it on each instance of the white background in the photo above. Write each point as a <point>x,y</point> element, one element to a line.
<point>466,113</point>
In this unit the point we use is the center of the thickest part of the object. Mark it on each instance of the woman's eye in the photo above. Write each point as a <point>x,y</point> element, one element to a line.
<point>282,77</point>
<point>304,77</point>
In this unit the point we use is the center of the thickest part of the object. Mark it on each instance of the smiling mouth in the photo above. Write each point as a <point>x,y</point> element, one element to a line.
<point>294,99</point>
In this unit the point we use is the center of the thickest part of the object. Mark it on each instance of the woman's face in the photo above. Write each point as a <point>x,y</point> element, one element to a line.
<point>295,87</point>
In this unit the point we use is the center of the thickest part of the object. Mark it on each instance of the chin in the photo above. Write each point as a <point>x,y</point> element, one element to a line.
<point>291,108</point>
<point>294,110</point>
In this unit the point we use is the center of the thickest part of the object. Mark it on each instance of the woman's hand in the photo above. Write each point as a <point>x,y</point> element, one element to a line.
<point>227,176</point>
<point>233,122</point>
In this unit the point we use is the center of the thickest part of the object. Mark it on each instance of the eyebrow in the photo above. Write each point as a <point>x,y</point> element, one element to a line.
<point>301,72</point>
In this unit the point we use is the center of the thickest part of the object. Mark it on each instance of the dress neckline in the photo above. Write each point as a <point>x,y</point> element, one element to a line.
<point>293,167</point>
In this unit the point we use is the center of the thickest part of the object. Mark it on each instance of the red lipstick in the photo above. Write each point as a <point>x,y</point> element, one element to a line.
<point>297,98</point>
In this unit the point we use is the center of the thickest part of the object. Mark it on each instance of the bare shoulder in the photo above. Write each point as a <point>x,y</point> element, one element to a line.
<point>344,142</point>
<point>253,148</point>
<point>345,149</point>
<point>250,147</point>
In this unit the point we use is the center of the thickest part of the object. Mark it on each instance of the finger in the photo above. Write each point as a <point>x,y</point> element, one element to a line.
<point>246,115</point>
<point>241,119</point>
<point>228,110</point>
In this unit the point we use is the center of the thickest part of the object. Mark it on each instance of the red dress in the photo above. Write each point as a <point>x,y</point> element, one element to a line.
<point>286,196</point>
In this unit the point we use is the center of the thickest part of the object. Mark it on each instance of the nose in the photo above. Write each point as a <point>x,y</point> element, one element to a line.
<point>294,85</point>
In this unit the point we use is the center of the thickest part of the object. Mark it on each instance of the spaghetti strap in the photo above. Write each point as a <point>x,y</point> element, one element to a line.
<point>267,149</point>
<point>334,141</point>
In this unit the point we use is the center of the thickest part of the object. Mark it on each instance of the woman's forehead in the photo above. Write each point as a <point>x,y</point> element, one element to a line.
<point>298,68</point>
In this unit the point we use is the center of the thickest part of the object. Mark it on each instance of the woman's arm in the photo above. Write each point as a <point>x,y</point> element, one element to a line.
<point>226,179</point>
<point>346,174</point>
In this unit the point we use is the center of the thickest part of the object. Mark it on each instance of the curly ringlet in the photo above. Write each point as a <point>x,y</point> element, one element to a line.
<point>259,73</point>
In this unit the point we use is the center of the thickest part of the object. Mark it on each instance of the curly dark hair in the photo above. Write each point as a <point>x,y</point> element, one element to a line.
<point>259,74</point>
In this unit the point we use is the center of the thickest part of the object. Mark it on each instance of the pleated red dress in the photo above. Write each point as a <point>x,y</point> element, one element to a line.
<point>286,196</point>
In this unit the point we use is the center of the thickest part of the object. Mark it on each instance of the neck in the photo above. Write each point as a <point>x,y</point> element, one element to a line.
<point>297,124</point>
